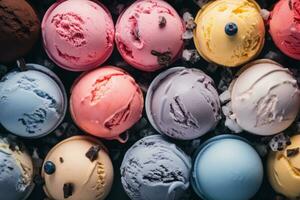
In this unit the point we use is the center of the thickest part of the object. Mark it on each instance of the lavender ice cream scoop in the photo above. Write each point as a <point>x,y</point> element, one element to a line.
<point>183,103</point>
<point>32,102</point>
<point>155,169</point>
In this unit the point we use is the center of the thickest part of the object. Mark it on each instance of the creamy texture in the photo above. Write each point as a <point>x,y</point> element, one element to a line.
<point>91,180</point>
<point>284,170</point>
<point>106,102</point>
<point>155,169</point>
<point>285,27</point>
<point>215,45</point>
<point>20,28</point>
<point>183,103</point>
<point>267,102</point>
<point>16,171</point>
<point>78,34</point>
<point>226,167</point>
<point>32,103</point>
<point>138,32</point>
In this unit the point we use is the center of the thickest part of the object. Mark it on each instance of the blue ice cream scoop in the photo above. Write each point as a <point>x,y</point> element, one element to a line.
<point>226,167</point>
<point>16,170</point>
<point>32,102</point>
<point>155,169</point>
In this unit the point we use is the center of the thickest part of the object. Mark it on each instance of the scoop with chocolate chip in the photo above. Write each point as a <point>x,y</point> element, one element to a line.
<point>149,35</point>
<point>78,168</point>
<point>284,169</point>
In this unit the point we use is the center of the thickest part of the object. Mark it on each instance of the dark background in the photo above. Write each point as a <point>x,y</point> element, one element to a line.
<point>222,77</point>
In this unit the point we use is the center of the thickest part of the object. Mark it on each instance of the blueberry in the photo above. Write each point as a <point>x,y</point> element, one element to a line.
<point>49,167</point>
<point>231,29</point>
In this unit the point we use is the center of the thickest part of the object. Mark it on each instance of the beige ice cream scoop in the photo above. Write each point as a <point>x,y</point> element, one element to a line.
<point>78,168</point>
<point>284,169</point>
<point>265,98</point>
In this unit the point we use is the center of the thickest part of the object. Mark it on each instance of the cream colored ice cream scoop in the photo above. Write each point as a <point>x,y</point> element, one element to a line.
<point>78,168</point>
<point>229,32</point>
<point>284,169</point>
<point>265,98</point>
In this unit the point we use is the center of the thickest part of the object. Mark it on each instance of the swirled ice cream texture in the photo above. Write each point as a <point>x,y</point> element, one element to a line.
<point>285,27</point>
<point>284,170</point>
<point>215,45</point>
<point>31,103</point>
<point>183,103</point>
<point>138,32</point>
<point>268,102</point>
<point>106,102</point>
<point>78,35</point>
<point>16,171</point>
<point>154,168</point>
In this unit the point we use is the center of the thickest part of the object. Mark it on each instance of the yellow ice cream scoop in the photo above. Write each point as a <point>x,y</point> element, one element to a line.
<point>229,32</point>
<point>284,169</point>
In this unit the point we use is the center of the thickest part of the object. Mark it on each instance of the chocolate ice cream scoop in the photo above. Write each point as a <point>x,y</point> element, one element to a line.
<point>19,29</point>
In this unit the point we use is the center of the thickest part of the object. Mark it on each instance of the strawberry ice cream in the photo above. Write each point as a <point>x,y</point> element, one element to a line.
<point>149,34</point>
<point>106,102</point>
<point>78,35</point>
<point>285,27</point>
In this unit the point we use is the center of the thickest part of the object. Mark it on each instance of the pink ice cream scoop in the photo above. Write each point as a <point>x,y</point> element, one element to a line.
<point>78,35</point>
<point>106,102</point>
<point>285,27</point>
<point>149,34</point>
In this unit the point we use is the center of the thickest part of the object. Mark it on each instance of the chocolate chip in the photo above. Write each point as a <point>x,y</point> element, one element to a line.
<point>162,22</point>
<point>22,64</point>
<point>163,59</point>
<point>16,145</point>
<point>68,190</point>
<point>61,160</point>
<point>92,153</point>
<point>280,148</point>
<point>292,152</point>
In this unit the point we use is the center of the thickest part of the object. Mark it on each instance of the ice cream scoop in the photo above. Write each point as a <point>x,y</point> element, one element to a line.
<point>78,168</point>
<point>106,102</point>
<point>265,98</point>
<point>16,170</point>
<point>149,34</point>
<point>283,169</point>
<point>20,28</point>
<point>155,169</point>
<point>229,32</point>
<point>33,102</point>
<point>183,103</point>
<point>285,27</point>
<point>78,35</point>
<point>226,167</point>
